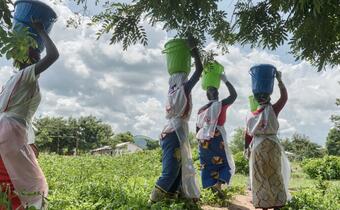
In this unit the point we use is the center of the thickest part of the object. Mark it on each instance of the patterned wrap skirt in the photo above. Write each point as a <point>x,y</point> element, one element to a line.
<point>269,188</point>
<point>213,160</point>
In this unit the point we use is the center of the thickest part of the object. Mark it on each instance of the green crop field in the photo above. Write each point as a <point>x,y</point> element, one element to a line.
<point>106,182</point>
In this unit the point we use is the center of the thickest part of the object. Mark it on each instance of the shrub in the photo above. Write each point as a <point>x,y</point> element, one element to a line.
<point>210,198</point>
<point>326,168</point>
<point>241,164</point>
<point>322,197</point>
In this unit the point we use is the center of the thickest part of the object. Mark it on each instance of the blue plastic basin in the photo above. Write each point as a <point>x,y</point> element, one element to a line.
<point>26,10</point>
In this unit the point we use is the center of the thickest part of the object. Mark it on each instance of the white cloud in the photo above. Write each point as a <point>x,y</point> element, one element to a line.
<point>128,88</point>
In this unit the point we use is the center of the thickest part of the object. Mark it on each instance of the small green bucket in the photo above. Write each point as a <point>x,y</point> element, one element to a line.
<point>178,56</point>
<point>253,103</point>
<point>211,76</point>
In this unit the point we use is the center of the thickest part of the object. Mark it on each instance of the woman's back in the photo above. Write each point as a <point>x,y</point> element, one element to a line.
<point>21,94</point>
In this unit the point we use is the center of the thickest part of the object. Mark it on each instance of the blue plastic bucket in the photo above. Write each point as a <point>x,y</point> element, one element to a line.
<point>262,78</point>
<point>25,10</point>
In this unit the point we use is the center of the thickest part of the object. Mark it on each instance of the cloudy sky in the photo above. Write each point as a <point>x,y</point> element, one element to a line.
<point>128,88</point>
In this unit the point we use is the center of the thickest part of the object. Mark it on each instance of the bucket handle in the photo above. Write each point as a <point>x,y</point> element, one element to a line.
<point>166,50</point>
<point>205,70</point>
<point>275,72</point>
<point>252,74</point>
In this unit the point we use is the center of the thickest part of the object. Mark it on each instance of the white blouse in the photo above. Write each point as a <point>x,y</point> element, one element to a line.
<point>20,98</point>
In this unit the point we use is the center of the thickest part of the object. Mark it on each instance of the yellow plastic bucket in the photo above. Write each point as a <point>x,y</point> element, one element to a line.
<point>211,76</point>
<point>178,56</point>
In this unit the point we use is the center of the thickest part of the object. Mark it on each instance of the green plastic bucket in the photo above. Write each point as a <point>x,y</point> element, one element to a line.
<point>211,76</point>
<point>178,56</point>
<point>253,103</point>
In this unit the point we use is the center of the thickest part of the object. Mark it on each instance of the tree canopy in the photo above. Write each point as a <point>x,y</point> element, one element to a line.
<point>79,135</point>
<point>121,138</point>
<point>302,147</point>
<point>333,142</point>
<point>310,27</point>
<point>237,141</point>
<point>66,136</point>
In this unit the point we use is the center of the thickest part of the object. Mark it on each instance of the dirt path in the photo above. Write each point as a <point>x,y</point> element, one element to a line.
<point>240,202</point>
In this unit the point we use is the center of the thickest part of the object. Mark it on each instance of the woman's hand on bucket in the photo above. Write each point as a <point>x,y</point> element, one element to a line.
<point>192,42</point>
<point>37,25</point>
<point>278,76</point>
<point>224,78</point>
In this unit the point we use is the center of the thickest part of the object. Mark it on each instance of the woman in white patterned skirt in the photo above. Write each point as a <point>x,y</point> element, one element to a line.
<point>269,166</point>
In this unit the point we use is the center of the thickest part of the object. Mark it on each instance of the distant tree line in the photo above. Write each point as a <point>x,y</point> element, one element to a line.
<point>66,136</point>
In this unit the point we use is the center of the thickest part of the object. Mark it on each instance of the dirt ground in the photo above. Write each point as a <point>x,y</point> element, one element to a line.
<point>240,202</point>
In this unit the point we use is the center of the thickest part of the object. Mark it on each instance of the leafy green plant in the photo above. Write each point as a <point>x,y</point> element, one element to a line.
<point>15,44</point>
<point>310,27</point>
<point>201,18</point>
<point>326,168</point>
<point>241,164</point>
<point>211,198</point>
<point>5,193</point>
<point>321,197</point>
<point>208,56</point>
<point>4,201</point>
<point>104,182</point>
<point>5,13</point>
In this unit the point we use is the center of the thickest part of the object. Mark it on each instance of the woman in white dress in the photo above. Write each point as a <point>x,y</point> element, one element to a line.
<point>269,166</point>
<point>19,100</point>
<point>178,173</point>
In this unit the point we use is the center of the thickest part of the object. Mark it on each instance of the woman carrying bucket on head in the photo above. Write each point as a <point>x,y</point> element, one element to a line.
<point>217,164</point>
<point>20,175</point>
<point>269,166</point>
<point>178,172</point>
